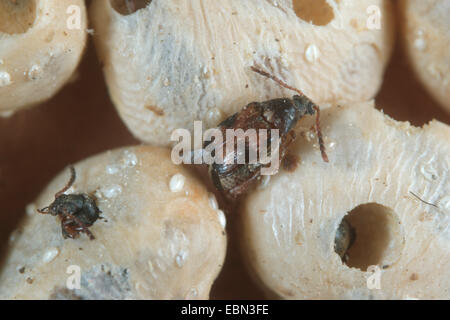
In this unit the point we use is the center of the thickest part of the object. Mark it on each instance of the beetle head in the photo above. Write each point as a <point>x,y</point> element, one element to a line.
<point>304,105</point>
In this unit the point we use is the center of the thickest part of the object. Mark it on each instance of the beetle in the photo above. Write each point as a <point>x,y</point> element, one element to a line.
<point>344,239</point>
<point>77,211</point>
<point>233,179</point>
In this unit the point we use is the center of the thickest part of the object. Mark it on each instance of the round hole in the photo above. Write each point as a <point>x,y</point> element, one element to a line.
<point>378,237</point>
<point>127,7</point>
<point>17,16</point>
<point>317,12</point>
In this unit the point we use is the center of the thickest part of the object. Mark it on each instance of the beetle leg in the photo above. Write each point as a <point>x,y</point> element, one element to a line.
<point>68,229</point>
<point>319,135</point>
<point>290,137</point>
<point>69,184</point>
<point>234,193</point>
<point>84,228</point>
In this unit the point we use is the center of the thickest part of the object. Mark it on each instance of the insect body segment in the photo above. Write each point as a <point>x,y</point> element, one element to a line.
<point>283,114</point>
<point>76,211</point>
<point>233,179</point>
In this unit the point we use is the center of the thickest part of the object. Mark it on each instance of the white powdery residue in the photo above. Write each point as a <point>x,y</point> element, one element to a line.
<point>112,191</point>
<point>444,203</point>
<point>429,172</point>
<point>433,69</point>
<point>151,268</point>
<point>5,79</point>
<point>98,194</point>
<point>197,80</point>
<point>310,136</point>
<point>213,116</point>
<point>419,42</point>
<point>112,169</point>
<point>176,183</point>
<point>35,72</point>
<point>31,209</point>
<point>50,255</point>
<point>13,236</point>
<point>213,201</point>
<point>180,258</point>
<point>160,265</point>
<point>205,73</point>
<point>312,53</point>
<point>129,159</point>
<point>193,293</point>
<point>222,218</point>
<point>6,114</point>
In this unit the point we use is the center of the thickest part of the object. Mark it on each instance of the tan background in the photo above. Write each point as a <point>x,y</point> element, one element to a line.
<point>81,121</point>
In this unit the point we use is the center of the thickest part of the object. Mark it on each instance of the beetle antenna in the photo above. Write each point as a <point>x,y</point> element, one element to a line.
<point>69,184</point>
<point>256,69</point>
<point>43,210</point>
<point>319,135</point>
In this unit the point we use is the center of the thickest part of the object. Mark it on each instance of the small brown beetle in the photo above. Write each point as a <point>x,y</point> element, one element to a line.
<point>344,239</point>
<point>233,179</point>
<point>76,211</point>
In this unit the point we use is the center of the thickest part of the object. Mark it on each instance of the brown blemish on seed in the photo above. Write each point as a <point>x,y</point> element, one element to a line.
<point>156,110</point>
<point>317,12</point>
<point>425,216</point>
<point>64,294</point>
<point>30,280</point>
<point>287,292</point>
<point>299,238</point>
<point>414,277</point>
<point>290,162</point>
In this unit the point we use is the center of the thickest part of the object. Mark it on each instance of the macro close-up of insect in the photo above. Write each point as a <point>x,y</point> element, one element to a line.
<point>77,211</point>
<point>233,179</point>
<point>225,150</point>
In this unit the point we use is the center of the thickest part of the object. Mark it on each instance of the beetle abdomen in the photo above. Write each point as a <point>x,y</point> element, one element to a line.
<point>233,177</point>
